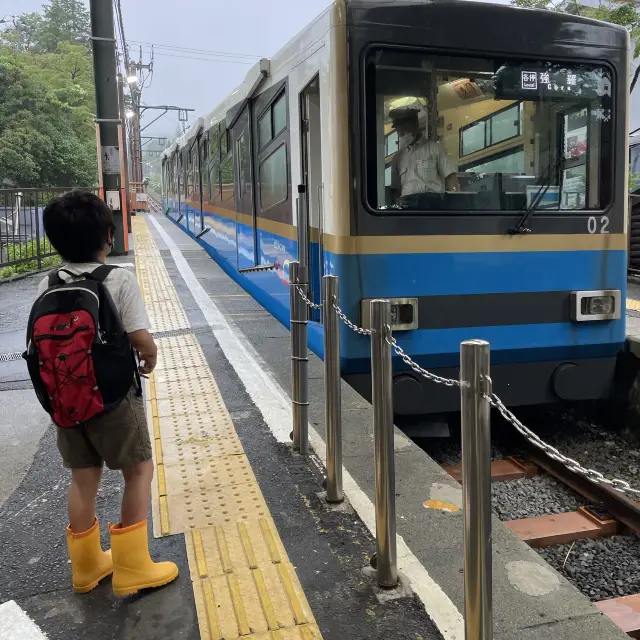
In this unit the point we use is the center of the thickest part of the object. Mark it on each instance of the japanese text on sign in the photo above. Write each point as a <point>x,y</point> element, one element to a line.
<point>531,80</point>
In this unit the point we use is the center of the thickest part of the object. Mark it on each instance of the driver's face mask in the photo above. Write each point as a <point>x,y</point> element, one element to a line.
<point>405,140</point>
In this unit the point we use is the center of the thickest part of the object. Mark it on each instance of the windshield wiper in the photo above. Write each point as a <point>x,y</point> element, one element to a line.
<point>531,209</point>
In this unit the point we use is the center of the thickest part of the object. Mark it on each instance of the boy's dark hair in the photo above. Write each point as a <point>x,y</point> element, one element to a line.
<point>78,225</point>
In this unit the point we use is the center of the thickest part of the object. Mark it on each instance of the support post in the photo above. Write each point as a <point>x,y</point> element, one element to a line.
<point>332,391</point>
<point>381,394</point>
<point>124,151</point>
<point>476,488</point>
<point>39,232</point>
<point>107,115</point>
<point>299,361</point>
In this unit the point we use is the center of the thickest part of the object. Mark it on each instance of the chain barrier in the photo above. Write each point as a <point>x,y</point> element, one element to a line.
<point>343,316</point>
<point>306,300</point>
<point>622,486</point>
<point>447,382</point>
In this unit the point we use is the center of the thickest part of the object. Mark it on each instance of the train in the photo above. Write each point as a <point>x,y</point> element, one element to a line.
<point>474,177</point>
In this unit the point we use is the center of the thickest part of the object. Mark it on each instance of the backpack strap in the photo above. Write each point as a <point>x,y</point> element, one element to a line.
<point>53,278</point>
<point>100,273</point>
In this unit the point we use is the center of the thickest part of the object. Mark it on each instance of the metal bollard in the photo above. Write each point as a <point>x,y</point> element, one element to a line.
<point>299,360</point>
<point>476,488</point>
<point>332,391</point>
<point>381,395</point>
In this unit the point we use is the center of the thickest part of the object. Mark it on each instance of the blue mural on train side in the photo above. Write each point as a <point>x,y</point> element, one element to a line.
<point>385,275</point>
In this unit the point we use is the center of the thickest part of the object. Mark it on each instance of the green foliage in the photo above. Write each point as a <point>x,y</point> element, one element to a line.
<point>27,249</point>
<point>47,101</point>
<point>60,21</point>
<point>634,181</point>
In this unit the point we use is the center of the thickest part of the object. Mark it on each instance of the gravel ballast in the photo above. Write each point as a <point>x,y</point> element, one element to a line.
<point>601,569</point>
<point>538,496</point>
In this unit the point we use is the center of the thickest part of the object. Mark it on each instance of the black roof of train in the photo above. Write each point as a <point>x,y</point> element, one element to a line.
<point>523,23</point>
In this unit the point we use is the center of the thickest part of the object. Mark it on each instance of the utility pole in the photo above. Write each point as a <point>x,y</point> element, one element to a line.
<point>124,152</point>
<point>136,92</point>
<point>107,116</point>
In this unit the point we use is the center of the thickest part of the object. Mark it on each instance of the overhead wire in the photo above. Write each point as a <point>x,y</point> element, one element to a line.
<point>179,49</point>
<point>170,55</point>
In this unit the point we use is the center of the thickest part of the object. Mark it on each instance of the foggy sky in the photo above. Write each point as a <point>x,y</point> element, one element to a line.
<point>253,27</point>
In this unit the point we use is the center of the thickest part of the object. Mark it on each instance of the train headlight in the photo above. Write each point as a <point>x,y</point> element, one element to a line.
<point>404,313</point>
<point>596,305</point>
<point>599,305</point>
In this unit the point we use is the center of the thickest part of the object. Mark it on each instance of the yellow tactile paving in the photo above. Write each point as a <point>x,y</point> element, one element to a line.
<point>244,585</point>
<point>633,304</point>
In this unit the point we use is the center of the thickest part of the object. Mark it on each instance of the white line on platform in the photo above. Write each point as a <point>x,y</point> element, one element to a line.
<point>275,406</point>
<point>16,624</point>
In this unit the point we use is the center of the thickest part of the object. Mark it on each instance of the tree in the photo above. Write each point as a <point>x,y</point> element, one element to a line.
<point>623,12</point>
<point>60,21</point>
<point>45,139</point>
<point>47,98</point>
<point>64,21</point>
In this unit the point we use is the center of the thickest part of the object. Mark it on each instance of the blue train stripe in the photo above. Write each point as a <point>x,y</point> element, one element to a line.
<point>365,276</point>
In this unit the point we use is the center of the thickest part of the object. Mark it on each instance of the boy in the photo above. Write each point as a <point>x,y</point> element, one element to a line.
<point>80,227</point>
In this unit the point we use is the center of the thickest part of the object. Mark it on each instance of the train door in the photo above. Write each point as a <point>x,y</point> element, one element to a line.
<point>244,192</point>
<point>199,185</point>
<point>180,182</point>
<point>311,157</point>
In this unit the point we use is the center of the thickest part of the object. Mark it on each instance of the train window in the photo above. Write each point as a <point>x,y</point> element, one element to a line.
<point>227,189</point>
<point>494,129</point>
<point>214,180</point>
<point>224,139</point>
<point>273,121</point>
<point>452,133</point>
<point>264,129</point>
<point>242,157</point>
<point>214,142</point>
<point>279,110</point>
<point>273,179</point>
<point>473,138</point>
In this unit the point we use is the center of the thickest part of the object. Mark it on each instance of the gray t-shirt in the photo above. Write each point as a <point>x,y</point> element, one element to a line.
<point>123,287</point>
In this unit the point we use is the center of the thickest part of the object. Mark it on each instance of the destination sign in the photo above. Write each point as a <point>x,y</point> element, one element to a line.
<point>531,82</point>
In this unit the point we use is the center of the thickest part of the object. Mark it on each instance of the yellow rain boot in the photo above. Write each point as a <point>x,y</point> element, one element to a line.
<point>133,568</point>
<point>89,563</point>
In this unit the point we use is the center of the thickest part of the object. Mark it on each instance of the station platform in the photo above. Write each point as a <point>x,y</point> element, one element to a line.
<point>261,554</point>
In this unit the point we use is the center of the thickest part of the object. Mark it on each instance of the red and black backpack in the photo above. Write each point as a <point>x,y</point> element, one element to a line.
<point>78,354</point>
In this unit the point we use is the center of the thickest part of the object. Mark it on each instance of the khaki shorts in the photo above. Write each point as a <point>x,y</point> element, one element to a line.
<point>119,438</point>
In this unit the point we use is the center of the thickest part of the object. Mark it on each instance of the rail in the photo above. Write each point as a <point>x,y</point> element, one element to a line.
<point>477,399</point>
<point>22,236</point>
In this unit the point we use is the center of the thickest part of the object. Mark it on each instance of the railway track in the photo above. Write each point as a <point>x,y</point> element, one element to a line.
<point>154,204</point>
<point>605,513</point>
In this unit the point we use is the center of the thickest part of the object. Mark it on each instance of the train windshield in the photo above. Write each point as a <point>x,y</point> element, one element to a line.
<point>462,134</point>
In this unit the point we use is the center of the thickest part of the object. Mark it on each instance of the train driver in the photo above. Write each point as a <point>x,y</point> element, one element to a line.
<point>421,166</point>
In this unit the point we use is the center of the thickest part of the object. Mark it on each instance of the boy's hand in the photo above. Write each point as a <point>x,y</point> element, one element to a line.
<point>147,363</point>
<point>142,341</point>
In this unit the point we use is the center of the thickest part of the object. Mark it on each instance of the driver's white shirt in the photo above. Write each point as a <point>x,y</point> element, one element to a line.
<point>421,167</point>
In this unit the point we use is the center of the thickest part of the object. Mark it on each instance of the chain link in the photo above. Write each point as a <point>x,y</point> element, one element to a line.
<point>343,316</point>
<point>621,486</point>
<point>447,382</point>
<point>308,302</point>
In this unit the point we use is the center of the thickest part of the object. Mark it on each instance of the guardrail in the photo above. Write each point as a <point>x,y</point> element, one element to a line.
<point>476,400</point>
<point>22,237</point>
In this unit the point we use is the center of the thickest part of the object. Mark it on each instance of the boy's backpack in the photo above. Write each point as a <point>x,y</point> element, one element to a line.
<point>79,357</point>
